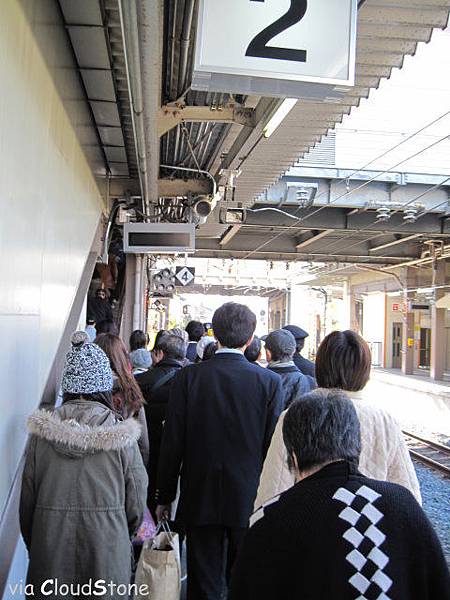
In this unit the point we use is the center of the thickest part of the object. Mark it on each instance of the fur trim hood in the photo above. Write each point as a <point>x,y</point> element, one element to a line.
<point>75,438</point>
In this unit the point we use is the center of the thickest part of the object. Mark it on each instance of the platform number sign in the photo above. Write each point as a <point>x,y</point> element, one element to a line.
<point>258,46</point>
<point>185,276</point>
<point>290,40</point>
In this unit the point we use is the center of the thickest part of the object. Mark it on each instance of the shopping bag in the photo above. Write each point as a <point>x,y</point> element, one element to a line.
<point>158,574</point>
<point>146,531</point>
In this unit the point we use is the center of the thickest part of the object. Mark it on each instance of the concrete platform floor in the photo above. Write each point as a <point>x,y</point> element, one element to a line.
<point>416,401</point>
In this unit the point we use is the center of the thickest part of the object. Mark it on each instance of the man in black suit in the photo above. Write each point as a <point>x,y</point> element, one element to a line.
<point>219,423</point>
<point>170,352</point>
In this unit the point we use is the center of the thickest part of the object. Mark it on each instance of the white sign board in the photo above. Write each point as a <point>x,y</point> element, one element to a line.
<point>185,275</point>
<point>292,41</point>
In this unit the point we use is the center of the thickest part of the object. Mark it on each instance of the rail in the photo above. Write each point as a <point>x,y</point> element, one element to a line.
<point>429,452</point>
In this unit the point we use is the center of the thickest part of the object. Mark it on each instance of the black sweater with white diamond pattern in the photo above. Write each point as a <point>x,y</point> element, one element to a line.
<point>338,535</point>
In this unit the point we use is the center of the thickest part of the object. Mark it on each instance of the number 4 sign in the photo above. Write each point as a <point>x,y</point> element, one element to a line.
<point>185,275</point>
<point>276,47</point>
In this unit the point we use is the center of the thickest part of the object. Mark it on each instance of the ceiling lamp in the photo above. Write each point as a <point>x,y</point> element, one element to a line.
<point>278,116</point>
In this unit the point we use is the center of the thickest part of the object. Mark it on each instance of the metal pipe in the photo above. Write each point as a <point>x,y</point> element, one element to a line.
<point>128,28</point>
<point>111,217</point>
<point>172,84</point>
<point>419,261</point>
<point>137,293</point>
<point>150,27</point>
<point>375,270</point>
<point>184,44</point>
<point>207,173</point>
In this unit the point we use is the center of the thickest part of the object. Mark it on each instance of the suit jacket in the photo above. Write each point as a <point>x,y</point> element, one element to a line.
<point>219,423</point>
<point>155,412</point>
<point>306,366</point>
<point>191,352</point>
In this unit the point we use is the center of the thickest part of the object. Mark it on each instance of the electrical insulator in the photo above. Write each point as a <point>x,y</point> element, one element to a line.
<point>383,214</point>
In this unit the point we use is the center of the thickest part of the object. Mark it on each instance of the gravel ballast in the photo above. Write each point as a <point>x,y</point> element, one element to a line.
<point>436,503</point>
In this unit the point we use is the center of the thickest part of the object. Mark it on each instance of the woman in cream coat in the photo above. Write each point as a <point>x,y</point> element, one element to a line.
<point>343,361</point>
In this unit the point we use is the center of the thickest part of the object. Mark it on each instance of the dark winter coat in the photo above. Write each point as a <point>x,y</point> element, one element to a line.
<point>191,352</point>
<point>338,534</point>
<point>99,309</point>
<point>83,494</point>
<point>295,384</point>
<point>156,399</point>
<point>219,423</point>
<point>306,366</point>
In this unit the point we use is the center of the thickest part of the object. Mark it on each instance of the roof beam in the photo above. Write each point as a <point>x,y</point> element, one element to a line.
<point>314,238</point>
<point>172,115</point>
<point>229,235</point>
<point>395,242</point>
<point>337,219</point>
<point>180,187</point>
<point>209,248</point>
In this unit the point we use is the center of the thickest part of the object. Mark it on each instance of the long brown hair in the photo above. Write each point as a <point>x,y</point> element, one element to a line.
<point>130,396</point>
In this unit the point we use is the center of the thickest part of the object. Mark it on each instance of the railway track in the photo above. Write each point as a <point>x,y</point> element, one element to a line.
<point>429,452</point>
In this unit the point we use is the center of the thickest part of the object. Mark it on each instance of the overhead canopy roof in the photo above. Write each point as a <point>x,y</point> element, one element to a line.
<point>211,132</point>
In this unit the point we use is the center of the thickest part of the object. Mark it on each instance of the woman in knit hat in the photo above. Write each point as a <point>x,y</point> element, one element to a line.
<point>127,396</point>
<point>84,482</point>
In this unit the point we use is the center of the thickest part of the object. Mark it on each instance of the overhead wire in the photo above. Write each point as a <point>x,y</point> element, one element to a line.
<point>397,210</point>
<point>383,154</point>
<point>383,234</point>
<point>366,183</point>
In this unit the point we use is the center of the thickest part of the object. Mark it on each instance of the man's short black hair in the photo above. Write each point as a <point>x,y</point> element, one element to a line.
<point>233,324</point>
<point>158,337</point>
<point>209,351</point>
<point>195,330</point>
<point>320,428</point>
<point>172,346</point>
<point>253,351</point>
<point>343,361</point>
<point>138,339</point>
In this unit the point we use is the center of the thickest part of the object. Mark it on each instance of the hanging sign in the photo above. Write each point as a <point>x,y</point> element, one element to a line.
<point>185,276</point>
<point>275,47</point>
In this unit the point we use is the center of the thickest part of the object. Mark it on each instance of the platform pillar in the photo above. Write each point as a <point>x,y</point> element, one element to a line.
<point>408,333</point>
<point>349,321</point>
<point>438,331</point>
<point>408,344</point>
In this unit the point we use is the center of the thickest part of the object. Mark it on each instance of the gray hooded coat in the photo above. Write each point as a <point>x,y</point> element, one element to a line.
<point>83,494</point>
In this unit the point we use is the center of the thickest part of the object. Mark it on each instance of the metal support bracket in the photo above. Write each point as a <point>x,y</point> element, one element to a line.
<point>172,115</point>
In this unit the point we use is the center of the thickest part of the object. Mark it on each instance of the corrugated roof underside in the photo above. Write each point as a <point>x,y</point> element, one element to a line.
<point>387,32</point>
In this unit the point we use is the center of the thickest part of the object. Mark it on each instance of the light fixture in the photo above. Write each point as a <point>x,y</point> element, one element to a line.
<point>279,115</point>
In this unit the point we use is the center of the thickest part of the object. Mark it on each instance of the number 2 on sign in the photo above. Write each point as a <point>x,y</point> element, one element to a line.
<point>258,46</point>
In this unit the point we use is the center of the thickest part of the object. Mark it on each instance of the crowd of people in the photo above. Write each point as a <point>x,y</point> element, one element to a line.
<point>284,481</point>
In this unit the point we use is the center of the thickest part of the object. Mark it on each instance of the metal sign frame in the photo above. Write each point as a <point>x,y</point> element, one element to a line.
<point>165,229</point>
<point>202,69</point>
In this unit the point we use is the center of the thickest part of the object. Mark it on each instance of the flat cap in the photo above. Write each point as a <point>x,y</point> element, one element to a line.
<point>297,332</point>
<point>282,341</point>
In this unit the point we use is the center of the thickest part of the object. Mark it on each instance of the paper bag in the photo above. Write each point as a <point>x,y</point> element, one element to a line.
<point>159,568</point>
